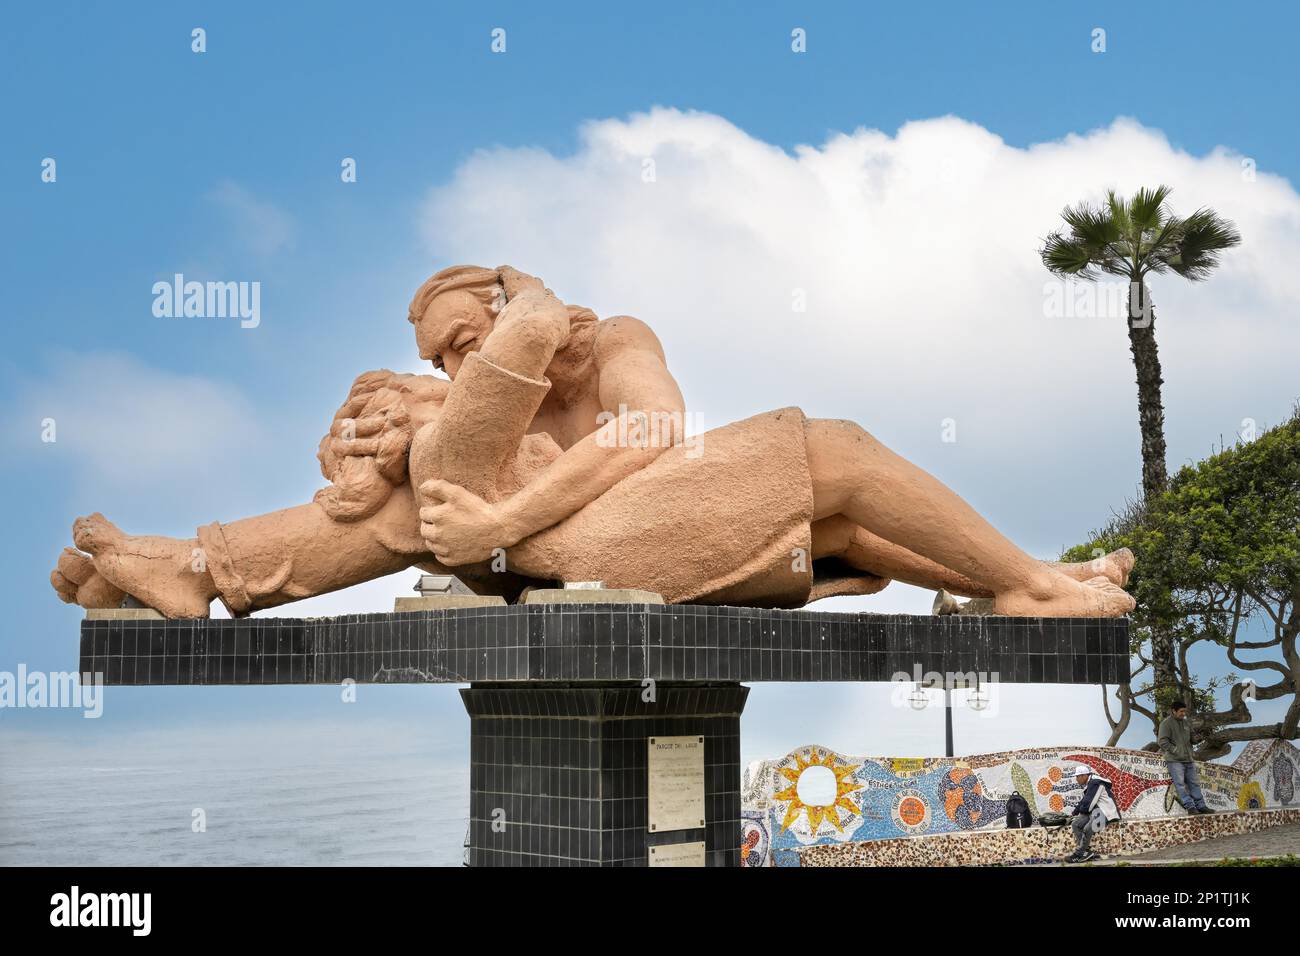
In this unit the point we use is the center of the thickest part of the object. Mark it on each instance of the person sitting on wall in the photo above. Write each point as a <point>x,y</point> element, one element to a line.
<point>1095,810</point>
<point>1175,739</point>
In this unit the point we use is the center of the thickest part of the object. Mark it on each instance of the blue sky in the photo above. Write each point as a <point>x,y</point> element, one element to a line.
<point>226,165</point>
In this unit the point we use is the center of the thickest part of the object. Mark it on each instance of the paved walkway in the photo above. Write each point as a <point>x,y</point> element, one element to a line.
<point>1275,841</point>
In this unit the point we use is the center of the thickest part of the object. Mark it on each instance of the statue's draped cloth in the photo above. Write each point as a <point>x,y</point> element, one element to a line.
<point>723,520</point>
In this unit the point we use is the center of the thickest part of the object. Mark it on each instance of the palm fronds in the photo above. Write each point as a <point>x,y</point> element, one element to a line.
<point>1198,242</point>
<point>1137,236</point>
<point>1088,247</point>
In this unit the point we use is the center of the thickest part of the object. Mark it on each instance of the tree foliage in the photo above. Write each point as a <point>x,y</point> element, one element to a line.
<point>1218,561</point>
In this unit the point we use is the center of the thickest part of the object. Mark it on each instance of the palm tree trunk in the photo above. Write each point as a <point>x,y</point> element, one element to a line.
<point>1151,411</point>
<point>1155,475</point>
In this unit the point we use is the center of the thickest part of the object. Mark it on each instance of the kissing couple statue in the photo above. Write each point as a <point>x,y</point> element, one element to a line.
<point>517,470</point>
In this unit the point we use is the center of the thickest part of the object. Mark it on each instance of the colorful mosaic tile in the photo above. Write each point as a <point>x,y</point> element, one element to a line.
<point>859,799</point>
<point>1037,844</point>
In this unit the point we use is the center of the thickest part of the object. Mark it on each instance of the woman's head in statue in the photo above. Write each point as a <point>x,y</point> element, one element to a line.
<point>453,312</point>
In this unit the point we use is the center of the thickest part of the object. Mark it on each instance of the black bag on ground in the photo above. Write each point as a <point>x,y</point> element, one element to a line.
<point>1018,815</point>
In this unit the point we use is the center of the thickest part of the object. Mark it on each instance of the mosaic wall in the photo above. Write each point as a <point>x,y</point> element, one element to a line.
<point>1039,844</point>
<point>815,796</point>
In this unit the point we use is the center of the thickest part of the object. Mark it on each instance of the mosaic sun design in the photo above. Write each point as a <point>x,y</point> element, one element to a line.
<point>816,813</point>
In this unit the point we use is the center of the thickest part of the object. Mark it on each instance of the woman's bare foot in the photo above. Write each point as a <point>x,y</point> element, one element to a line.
<point>1056,595</point>
<point>158,572</point>
<point>1114,567</point>
<point>77,582</point>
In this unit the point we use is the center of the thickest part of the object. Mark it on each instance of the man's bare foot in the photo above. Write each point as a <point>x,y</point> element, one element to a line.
<point>1056,595</point>
<point>158,572</point>
<point>1114,567</point>
<point>77,582</point>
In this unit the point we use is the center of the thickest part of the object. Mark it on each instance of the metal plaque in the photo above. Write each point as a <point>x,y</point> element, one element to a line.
<point>677,854</point>
<point>676,785</point>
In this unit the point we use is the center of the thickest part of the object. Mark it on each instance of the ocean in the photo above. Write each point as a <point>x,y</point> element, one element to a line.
<point>286,794</point>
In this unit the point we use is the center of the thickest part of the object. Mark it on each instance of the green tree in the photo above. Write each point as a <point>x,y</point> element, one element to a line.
<point>1135,238</point>
<point>1218,562</point>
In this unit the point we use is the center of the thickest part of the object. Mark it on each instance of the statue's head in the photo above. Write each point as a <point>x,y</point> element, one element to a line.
<point>453,313</point>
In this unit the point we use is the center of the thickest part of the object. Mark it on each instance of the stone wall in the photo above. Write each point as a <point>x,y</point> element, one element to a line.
<point>852,799</point>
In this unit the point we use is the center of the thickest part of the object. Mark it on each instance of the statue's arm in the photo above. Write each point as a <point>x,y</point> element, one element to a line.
<point>646,416</point>
<point>497,391</point>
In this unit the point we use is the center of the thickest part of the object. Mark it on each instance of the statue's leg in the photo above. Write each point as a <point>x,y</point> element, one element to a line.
<point>256,562</point>
<point>76,581</point>
<point>839,537</point>
<point>855,476</point>
<point>301,552</point>
<point>167,574</point>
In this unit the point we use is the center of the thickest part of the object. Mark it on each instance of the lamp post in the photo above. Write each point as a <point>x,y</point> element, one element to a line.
<point>948,684</point>
<point>947,721</point>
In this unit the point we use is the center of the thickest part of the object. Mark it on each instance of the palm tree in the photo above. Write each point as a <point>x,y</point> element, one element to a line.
<point>1135,238</point>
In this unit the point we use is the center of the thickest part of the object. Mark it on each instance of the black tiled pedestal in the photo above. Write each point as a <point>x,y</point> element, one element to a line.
<point>558,772</point>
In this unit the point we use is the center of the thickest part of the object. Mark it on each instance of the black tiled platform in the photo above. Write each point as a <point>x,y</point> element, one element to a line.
<point>603,643</point>
<point>560,769</point>
<point>559,727</point>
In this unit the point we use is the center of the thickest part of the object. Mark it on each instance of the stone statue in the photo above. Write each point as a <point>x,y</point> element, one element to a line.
<point>556,452</point>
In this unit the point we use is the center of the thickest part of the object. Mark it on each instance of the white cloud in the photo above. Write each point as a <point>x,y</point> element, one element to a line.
<point>260,224</point>
<point>917,254</point>
<point>130,423</point>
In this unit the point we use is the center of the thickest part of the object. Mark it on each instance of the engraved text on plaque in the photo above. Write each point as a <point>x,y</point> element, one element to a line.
<point>676,785</point>
<point>677,854</point>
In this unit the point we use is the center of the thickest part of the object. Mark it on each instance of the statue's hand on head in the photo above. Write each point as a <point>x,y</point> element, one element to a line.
<point>516,283</point>
<point>458,526</point>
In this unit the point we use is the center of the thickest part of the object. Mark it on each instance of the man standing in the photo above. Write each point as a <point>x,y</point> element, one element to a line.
<point>1176,744</point>
<point>1094,811</point>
